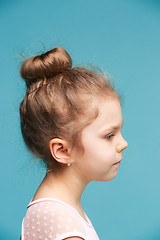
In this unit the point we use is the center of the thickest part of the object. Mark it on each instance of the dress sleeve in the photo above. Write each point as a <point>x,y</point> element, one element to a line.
<point>52,222</point>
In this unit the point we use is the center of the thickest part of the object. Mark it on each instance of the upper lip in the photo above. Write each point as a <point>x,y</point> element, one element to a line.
<point>118,161</point>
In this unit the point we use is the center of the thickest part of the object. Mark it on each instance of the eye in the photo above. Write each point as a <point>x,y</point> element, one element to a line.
<point>109,136</point>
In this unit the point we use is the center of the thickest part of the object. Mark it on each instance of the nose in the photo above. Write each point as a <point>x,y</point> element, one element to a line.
<point>122,144</point>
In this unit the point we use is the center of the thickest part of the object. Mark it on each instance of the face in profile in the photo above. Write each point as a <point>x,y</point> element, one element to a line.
<point>103,144</point>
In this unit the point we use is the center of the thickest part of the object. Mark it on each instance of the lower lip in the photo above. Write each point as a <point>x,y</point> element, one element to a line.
<point>117,164</point>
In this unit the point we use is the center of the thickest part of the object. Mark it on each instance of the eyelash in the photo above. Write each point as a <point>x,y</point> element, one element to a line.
<point>109,136</point>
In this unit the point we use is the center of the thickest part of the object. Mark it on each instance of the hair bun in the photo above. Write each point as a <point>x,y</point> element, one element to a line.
<point>48,64</point>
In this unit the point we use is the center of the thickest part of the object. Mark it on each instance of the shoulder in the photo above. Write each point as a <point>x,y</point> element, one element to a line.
<point>53,219</point>
<point>53,210</point>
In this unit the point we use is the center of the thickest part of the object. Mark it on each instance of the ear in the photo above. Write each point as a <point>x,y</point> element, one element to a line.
<point>60,150</point>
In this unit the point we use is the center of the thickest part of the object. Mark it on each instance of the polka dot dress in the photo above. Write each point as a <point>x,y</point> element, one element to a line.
<point>48,219</point>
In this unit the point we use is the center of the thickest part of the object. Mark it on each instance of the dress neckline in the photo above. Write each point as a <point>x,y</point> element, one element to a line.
<point>88,222</point>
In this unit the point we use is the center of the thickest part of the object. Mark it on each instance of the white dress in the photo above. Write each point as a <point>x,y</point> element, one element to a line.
<point>52,219</point>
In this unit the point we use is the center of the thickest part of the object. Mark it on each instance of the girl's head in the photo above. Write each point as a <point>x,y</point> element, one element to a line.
<point>60,102</point>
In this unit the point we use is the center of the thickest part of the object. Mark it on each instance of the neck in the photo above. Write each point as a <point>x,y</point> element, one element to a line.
<point>66,187</point>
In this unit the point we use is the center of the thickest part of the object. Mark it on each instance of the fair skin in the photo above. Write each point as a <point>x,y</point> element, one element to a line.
<point>103,146</point>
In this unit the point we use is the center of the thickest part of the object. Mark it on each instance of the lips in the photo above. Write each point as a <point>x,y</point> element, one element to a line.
<point>117,162</point>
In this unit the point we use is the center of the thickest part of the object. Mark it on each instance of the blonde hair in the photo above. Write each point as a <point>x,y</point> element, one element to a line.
<point>58,101</point>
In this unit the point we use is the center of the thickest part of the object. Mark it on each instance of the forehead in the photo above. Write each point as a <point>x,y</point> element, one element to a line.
<point>110,111</point>
<point>109,114</point>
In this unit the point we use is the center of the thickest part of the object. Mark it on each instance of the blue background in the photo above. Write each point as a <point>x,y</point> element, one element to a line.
<point>122,37</point>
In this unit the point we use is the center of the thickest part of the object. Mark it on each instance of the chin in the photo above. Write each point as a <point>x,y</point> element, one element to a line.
<point>108,178</point>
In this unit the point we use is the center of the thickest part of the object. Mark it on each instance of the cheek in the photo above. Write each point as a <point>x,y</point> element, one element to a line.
<point>99,153</point>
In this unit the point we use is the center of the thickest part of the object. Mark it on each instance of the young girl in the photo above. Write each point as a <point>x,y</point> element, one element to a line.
<point>71,118</point>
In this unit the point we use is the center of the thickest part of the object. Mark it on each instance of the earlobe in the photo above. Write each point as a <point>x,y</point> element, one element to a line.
<point>60,150</point>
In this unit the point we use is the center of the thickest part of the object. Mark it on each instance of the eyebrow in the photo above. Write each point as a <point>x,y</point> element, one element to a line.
<point>113,127</point>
